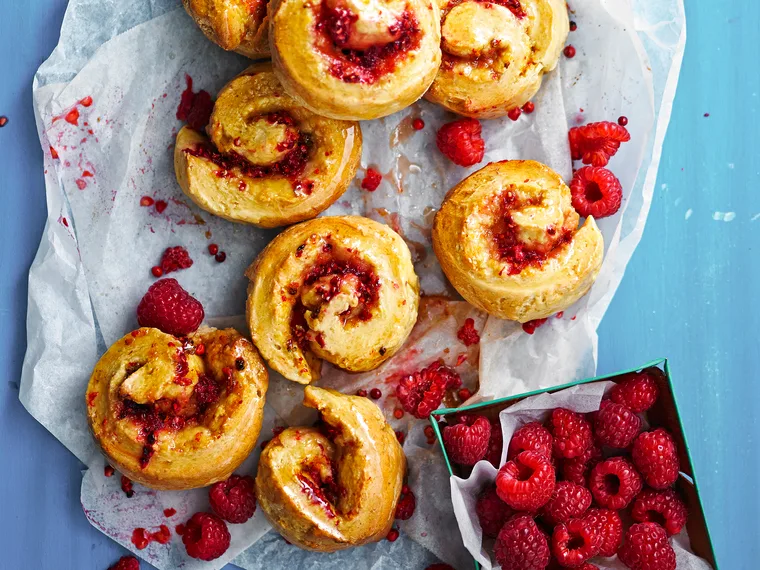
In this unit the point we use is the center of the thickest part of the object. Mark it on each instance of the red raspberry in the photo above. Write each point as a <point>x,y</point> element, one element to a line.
<point>467,442</point>
<point>615,425</point>
<point>467,334</point>
<point>372,180</point>
<point>126,563</point>
<point>576,469</point>
<point>647,548</point>
<point>234,500</point>
<point>495,444</point>
<point>662,507</point>
<point>174,259</point>
<point>568,501</point>
<point>422,392</point>
<point>406,505</point>
<point>614,483</point>
<point>168,307</point>
<point>596,192</point>
<point>638,391</point>
<point>521,545</point>
<point>531,437</point>
<point>206,536</point>
<point>492,512</point>
<point>595,143</point>
<point>572,433</point>
<point>460,142</point>
<point>609,526</point>
<point>575,542</point>
<point>655,456</point>
<point>526,482</point>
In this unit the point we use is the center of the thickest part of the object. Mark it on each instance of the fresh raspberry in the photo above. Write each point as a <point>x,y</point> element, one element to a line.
<point>168,307</point>
<point>531,437</point>
<point>647,548</point>
<point>467,334</point>
<point>568,501</point>
<point>526,482</point>
<point>372,180</point>
<point>609,526</point>
<point>495,444</point>
<point>174,259</point>
<point>638,391</point>
<point>126,563</point>
<point>572,433</point>
<point>206,536</point>
<point>422,392</point>
<point>234,500</point>
<point>460,142</point>
<point>575,542</point>
<point>576,470</point>
<point>596,192</point>
<point>595,143</point>
<point>467,441</point>
<point>614,483</point>
<point>521,545</point>
<point>492,512</point>
<point>655,456</point>
<point>615,425</point>
<point>662,507</point>
<point>406,505</point>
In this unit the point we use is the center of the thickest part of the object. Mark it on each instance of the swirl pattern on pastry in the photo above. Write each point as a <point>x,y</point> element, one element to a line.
<point>234,25</point>
<point>355,59</point>
<point>177,413</point>
<point>329,493</point>
<point>341,289</point>
<point>495,53</point>
<point>269,161</point>
<point>507,238</point>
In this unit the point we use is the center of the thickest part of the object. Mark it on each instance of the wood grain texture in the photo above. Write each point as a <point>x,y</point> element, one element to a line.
<point>689,293</point>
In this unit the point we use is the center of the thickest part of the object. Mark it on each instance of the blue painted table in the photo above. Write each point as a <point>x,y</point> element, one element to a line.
<point>689,293</point>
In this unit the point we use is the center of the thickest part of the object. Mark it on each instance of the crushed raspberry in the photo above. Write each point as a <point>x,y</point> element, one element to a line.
<point>521,545</point>
<point>108,471</point>
<point>571,432</point>
<point>146,201</point>
<point>174,259</point>
<point>568,501</point>
<point>207,391</point>
<point>655,456</point>
<point>168,513</point>
<point>195,108</point>
<point>157,271</point>
<point>161,205</point>
<point>372,180</point>
<point>575,542</point>
<point>662,507</point>
<point>526,483</point>
<point>531,437</point>
<point>422,392</point>
<point>362,393</point>
<point>392,535</point>
<point>495,444</point>
<point>126,486</point>
<point>637,390</point>
<point>464,394</point>
<point>576,470</point>
<point>614,483</point>
<point>609,527</point>
<point>460,142</point>
<point>375,393</point>
<point>168,307</point>
<point>206,536</point>
<point>467,334</point>
<point>647,547</point>
<point>406,505</point>
<point>596,192</point>
<point>491,511</point>
<point>531,326</point>
<point>398,413</point>
<point>467,441</point>
<point>514,113</point>
<point>596,143</point>
<point>615,425</point>
<point>126,563</point>
<point>418,124</point>
<point>622,121</point>
<point>234,500</point>
<point>529,107</point>
<point>569,52</point>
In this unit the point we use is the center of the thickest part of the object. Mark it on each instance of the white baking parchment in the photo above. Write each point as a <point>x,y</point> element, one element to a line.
<point>105,104</point>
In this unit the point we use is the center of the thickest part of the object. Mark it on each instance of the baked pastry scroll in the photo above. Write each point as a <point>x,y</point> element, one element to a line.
<point>507,238</point>
<point>355,59</point>
<point>341,289</point>
<point>330,489</point>
<point>267,161</point>
<point>177,413</point>
<point>234,25</point>
<point>495,53</point>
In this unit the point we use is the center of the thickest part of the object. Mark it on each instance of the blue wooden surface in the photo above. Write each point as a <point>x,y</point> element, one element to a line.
<point>689,293</point>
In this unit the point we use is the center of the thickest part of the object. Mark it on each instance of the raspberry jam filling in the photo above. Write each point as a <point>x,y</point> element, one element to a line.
<point>509,246</point>
<point>321,490</point>
<point>362,66</point>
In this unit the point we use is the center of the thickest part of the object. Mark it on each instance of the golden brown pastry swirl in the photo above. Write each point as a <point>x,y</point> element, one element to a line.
<point>177,413</point>
<point>235,25</point>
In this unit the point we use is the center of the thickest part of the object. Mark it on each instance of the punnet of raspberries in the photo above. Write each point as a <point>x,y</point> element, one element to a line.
<point>234,500</point>
<point>126,563</point>
<point>206,536</point>
<point>596,143</point>
<point>467,441</point>
<point>168,307</point>
<point>596,192</point>
<point>460,142</point>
